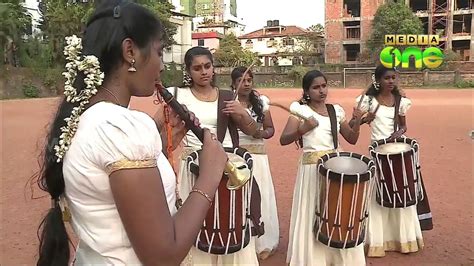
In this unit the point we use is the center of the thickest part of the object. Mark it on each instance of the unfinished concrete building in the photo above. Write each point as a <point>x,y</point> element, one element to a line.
<point>349,22</point>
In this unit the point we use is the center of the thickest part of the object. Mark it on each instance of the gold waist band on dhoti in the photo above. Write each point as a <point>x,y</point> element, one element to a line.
<point>252,148</point>
<point>255,148</point>
<point>312,157</point>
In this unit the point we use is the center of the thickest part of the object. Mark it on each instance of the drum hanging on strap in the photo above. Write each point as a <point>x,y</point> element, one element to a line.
<point>226,228</point>
<point>397,161</point>
<point>345,181</point>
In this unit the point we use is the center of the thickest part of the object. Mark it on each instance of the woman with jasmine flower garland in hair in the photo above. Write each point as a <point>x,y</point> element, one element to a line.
<point>317,135</point>
<point>107,173</point>
<point>390,229</point>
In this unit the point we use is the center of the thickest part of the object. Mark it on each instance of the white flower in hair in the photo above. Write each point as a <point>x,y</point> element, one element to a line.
<point>93,78</point>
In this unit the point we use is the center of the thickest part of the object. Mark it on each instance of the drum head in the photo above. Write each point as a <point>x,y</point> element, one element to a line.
<point>393,148</point>
<point>346,165</point>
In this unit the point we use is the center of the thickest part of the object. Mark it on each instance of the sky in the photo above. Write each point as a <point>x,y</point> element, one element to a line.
<point>303,13</point>
<point>255,13</point>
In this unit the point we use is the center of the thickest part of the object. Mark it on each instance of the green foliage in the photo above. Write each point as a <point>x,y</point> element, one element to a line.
<point>392,18</point>
<point>15,19</point>
<point>297,73</point>
<point>172,76</point>
<point>311,45</point>
<point>465,84</point>
<point>63,18</point>
<point>30,91</point>
<point>15,22</point>
<point>232,54</point>
<point>162,9</point>
<point>36,53</point>
<point>318,29</point>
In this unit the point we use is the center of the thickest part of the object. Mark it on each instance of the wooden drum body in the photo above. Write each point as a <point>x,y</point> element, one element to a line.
<point>342,206</point>
<point>226,228</point>
<point>397,161</point>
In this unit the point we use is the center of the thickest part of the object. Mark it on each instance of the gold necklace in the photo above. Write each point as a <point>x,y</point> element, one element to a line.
<point>201,98</point>
<point>113,95</point>
<point>383,102</point>
<point>314,109</point>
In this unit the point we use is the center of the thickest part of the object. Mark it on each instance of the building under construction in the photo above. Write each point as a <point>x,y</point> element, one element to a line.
<point>349,22</point>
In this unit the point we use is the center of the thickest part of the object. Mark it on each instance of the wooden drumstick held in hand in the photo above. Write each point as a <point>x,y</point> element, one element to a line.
<point>236,93</point>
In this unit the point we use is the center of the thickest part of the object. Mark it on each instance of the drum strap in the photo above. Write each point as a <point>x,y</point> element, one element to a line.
<point>333,119</point>
<point>396,118</point>
<point>223,121</point>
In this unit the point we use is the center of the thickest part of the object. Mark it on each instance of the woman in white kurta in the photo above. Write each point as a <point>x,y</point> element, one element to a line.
<point>201,97</point>
<point>315,137</point>
<point>103,164</point>
<point>389,229</point>
<point>258,107</point>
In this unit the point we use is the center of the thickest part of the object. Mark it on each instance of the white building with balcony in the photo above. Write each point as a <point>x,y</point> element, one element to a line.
<point>275,44</point>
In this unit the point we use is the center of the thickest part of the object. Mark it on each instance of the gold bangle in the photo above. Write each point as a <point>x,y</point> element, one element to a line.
<point>202,193</point>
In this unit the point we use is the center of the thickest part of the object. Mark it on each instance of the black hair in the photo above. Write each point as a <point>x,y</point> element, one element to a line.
<point>380,70</point>
<point>109,25</point>
<point>198,51</point>
<point>254,96</point>
<point>307,81</point>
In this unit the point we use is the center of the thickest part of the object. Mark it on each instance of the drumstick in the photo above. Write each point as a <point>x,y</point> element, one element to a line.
<point>360,101</point>
<point>236,93</point>
<point>289,110</point>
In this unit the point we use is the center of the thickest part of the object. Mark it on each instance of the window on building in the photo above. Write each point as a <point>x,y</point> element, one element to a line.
<point>351,8</point>
<point>351,52</point>
<point>260,39</point>
<point>249,43</point>
<point>201,42</point>
<point>288,41</point>
<point>352,29</point>
<point>270,42</point>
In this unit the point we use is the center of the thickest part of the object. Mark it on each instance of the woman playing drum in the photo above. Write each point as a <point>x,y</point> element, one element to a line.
<point>389,229</point>
<point>258,107</point>
<point>107,173</point>
<point>207,102</point>
<point>316,136</point>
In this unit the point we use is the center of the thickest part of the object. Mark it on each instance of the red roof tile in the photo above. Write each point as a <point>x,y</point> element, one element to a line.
<point>206,35</point>
<point>275,32</point>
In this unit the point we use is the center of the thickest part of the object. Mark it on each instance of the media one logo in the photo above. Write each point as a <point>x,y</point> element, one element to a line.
<point>431,57</point>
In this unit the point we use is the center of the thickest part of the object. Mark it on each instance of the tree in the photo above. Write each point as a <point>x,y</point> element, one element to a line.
<point>63,18</point>
<point>311,44</point>
<point>16,21</point>
<point>162,9</point>
<point>232,54</point>
<point>318,29</point>
<point>392,18</point>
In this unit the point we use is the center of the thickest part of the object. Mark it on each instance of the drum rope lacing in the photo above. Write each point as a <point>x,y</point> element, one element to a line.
<point>246,200</point>
<point>416,173</point>
<point>355,193</point>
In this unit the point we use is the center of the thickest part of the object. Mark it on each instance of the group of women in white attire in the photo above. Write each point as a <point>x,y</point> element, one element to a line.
<point>109,174</point>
